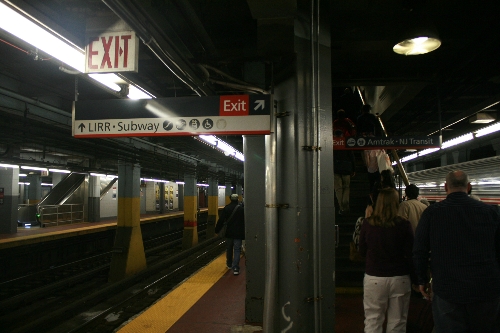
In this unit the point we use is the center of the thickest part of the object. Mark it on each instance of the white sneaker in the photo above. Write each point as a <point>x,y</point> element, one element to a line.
<point>236,272</point>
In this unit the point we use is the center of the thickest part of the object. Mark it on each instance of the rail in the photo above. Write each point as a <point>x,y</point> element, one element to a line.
<point>50,215</point>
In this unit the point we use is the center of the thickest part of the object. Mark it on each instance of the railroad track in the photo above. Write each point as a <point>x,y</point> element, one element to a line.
<point>41,294</point>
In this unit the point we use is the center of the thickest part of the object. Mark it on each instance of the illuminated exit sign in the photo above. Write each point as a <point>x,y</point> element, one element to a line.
<point>110,52</point>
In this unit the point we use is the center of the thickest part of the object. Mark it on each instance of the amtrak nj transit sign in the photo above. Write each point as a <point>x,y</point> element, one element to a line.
<point>216,115</point>
<point>400,142</point>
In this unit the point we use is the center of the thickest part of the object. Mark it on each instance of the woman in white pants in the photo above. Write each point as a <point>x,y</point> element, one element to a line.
<point>386,240</point>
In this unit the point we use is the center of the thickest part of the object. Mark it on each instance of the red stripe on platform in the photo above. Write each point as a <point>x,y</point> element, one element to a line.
<point>190,223</point>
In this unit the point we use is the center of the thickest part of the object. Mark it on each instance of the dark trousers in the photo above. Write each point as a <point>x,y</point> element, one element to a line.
<point>372,179</point>
<point>479,317</point>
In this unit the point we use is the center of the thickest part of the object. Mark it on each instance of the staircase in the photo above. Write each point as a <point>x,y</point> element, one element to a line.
<point>350,274</point>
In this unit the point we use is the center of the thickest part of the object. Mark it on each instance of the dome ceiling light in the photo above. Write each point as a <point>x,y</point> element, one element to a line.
<point>417,45</point>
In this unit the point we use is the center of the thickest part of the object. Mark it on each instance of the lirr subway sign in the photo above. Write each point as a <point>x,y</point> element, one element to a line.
<point>216,115</point>
<point>399,142</point>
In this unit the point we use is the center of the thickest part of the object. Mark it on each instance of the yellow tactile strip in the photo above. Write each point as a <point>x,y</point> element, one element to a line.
<point>163,314</point>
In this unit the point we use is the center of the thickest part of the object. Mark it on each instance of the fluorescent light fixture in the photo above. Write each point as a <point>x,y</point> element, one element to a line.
<point>59,171</point>
<point>210,139</point>
<point>97,174</point>
<point>488,183</point>
<point>23,175</point>
<point>409,157</point>
<point>109,80</point>
<point>239,156</point>
<point>33,168</point>
<point>9,165</point>
<point>46,184</point>
<point>205,185</point>
<point>179,182</point>
<point>50,42</point>
<point>221,145</point>
<point>457,140</point>
<point>417,45</point>
<point>22,183</point>
<point>488,130</point>
<point>42,38</point>
<point>155,180</point>
<point>481,118</point>
<point>427,151</point>
<point>222,187</point>
<point>138,93</point>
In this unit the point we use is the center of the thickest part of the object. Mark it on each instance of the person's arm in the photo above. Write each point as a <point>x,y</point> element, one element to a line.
<point>421,248</point>
<point>220,222</point>
<point>363,247</point>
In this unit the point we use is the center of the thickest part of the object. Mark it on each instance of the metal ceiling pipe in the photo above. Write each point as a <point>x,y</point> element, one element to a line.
<point>124,12</point>
<point>190,15</point>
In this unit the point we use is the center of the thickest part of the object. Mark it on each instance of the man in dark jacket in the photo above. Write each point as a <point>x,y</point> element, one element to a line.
<point>461,237</point>
<point>233,215</point>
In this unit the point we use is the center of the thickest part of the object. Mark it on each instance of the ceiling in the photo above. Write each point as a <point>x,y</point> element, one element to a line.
<point>214,47</point>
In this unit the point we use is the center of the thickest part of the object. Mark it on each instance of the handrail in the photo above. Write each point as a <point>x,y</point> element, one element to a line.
<point>56,214</point>
<point>394,153</point>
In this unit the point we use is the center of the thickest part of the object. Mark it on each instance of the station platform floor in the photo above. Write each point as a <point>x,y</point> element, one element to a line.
<point>213,301</point>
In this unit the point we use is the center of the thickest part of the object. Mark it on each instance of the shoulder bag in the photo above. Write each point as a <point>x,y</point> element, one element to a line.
<point>222,232</point>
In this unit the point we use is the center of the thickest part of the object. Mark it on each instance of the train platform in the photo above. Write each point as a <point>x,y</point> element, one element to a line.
<point>37,234</point>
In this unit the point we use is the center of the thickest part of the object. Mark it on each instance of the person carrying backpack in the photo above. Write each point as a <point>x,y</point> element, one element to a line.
<point>343,161</point>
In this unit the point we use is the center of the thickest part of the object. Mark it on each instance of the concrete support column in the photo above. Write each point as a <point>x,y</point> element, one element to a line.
<point>444,159</point>
<point>496,146</point>
<point>56,178</point>
<point>190,235</point>
<point>94,200</point>
<point>239,191</point>
<point>128,250</point>
<point>9,192</point>
<point>306,229</point>
<point>255,212</point>
<point>229,191</point>
<point>180,196</point>
<point>34,188</point>
<point>150,197</point>
<point>162,198</point>
<point>213,206</point>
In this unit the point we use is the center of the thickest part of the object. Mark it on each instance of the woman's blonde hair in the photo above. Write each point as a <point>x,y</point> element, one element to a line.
<point>386,208</point>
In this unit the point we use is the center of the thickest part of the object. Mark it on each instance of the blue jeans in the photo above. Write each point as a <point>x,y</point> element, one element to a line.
<point>480,317</point>
<point>233,262</point>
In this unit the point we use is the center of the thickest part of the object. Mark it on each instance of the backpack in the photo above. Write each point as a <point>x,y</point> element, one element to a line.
<point>344,128</point>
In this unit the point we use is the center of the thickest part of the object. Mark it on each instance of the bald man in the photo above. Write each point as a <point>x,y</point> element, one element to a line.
<point>461,237</point>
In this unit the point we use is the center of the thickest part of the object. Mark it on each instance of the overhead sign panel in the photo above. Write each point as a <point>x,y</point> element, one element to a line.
<point>397,142</point>
<point>216,115</point>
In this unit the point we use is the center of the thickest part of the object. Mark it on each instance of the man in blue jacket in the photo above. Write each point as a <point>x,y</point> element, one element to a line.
<point>232,215</point>
<point>461,237</point>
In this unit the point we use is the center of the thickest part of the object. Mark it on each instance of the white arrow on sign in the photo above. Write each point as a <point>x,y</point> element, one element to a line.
<point>260,103</point>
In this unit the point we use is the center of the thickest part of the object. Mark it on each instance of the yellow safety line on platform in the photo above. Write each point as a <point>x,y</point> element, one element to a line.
<point>167,311</point>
